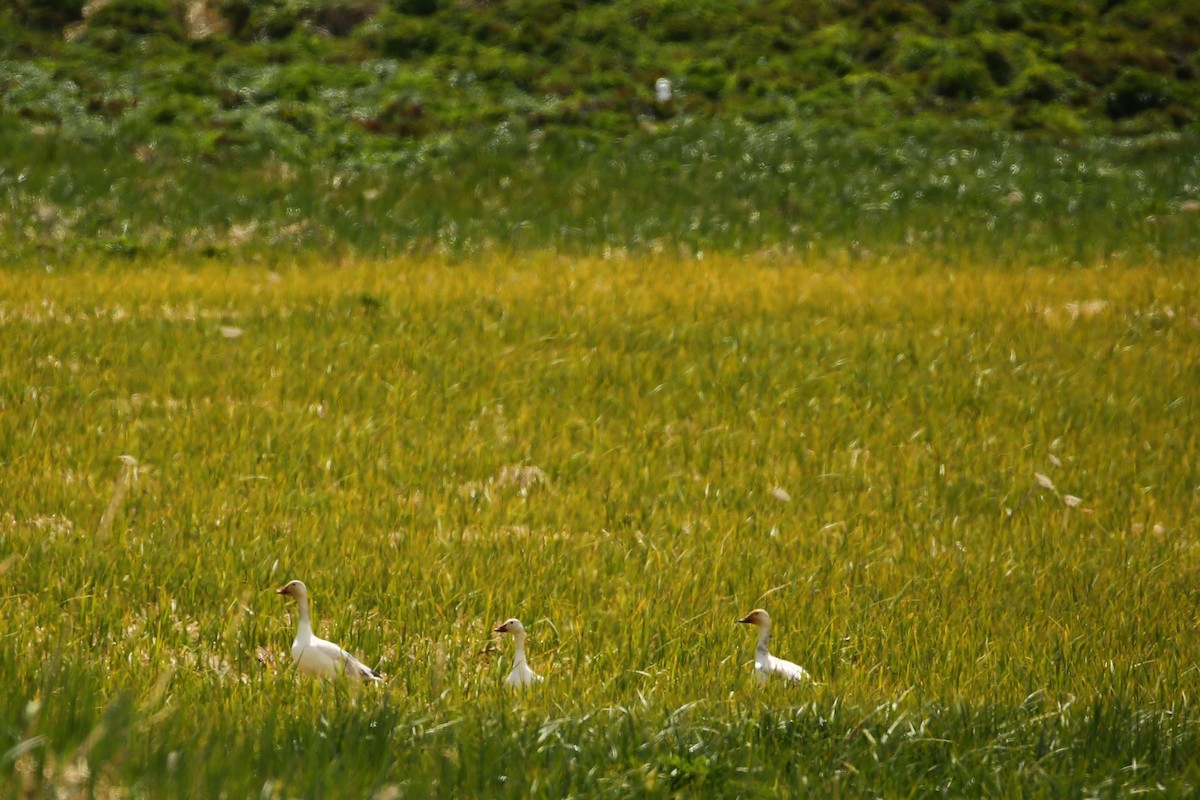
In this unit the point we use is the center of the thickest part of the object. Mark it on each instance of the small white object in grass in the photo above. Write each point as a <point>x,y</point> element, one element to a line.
<point>780,494</point>
<point>662,90</point>
<point>1071,500</point>
<point>230,332</point>
<point>1043,481</point>
<point>1055,460</point>
<point>765,664</point>
<point>523,477</point>
<point>315,656</point>
<point>521,674</point>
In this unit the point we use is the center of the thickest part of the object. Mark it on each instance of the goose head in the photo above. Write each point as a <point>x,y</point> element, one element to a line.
<point>295,589</point>
<point>513,626</point>
<point>758,618</point>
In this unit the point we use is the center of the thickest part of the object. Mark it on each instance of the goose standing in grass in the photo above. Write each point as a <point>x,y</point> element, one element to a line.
<point>765,664</point>
<point>315,656</point>
<point>521,674</point>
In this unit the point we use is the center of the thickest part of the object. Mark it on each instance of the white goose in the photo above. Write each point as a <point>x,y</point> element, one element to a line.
<point>315,656</point>
<point>765,664</point>
<point>521,674</point>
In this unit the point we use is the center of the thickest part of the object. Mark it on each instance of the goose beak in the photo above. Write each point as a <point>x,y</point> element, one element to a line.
<point>284,590</point>
<point>745,620</point>
<point>500,628</point>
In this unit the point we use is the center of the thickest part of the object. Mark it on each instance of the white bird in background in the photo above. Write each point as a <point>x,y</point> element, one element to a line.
<point>521,674</point>
<point>765,664</point>
<point>315,656</point>
<point>662,90</point>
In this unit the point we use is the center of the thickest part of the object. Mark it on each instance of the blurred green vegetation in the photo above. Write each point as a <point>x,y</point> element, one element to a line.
<point>332,77</point>
<point>686,190</point>
<point>219,128</point>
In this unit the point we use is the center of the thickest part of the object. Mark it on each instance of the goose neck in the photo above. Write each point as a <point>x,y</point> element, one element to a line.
<point>764,633</point>
<point>305,628</point>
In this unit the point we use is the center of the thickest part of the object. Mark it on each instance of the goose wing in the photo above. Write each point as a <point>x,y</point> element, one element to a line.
<point>330,660</point>
<point>522,675</point>
<point>788,670</point>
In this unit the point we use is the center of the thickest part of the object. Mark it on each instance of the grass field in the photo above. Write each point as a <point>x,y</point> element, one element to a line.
<point>627,455</point>
<point>685,190</point>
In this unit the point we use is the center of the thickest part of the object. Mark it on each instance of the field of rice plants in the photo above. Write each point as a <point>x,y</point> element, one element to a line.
<point>966,491</point>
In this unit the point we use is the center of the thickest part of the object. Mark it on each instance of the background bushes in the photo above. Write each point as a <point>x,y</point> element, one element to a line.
<point>1050,65</point>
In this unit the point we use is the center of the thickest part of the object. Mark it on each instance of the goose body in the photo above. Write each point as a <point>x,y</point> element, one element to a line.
<point>766,665</point>
<point>521,674</point>
<point>315,656</point>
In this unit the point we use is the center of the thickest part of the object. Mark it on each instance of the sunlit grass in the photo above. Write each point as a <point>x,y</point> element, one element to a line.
<point>627,454</point>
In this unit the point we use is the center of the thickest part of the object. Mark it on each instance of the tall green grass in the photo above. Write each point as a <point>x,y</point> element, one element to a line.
<point>691,189</point>
<point>373,428</point>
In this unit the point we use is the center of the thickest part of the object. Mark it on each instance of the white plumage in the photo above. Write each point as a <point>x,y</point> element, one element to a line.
<point>662,90</point>
<point>315,656</point>
<point>521,674</point>
<point>765,664</point>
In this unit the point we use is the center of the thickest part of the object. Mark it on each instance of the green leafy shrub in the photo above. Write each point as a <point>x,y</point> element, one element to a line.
<point>1091,61</point>
<point>1177,31</point>
<point>1054,118</point>
<point>707,77</point>
<point>417,8</point>
<point>1144,123</point>
<point>1135,91</point>
<point>978,60</point>
<point>824,62</point>
<point>875,96</point>
<point>48,14</point>
<point>303,81</point>
<point>277,19</point>
<point>340,17</point>
<point>1137,14</point>
<point>680,20</point>
<point>400,116</point>
<point>1059,12</point>
<point>830,53</point>
<point>528,36</point>
<point>605,24</point>
<point>857,99</point>
<point>982,15</point>
<point>1044,83</point>
<point>397,35</point>
<point>1004,55</point>
<point>890,14</point>
<point>876,85</point>
<point>917,52</point>
<point>495,65</point>
<point>167,110</point>
<point>539,12</point>
<point>960,79</point>
<point>139,18</point>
